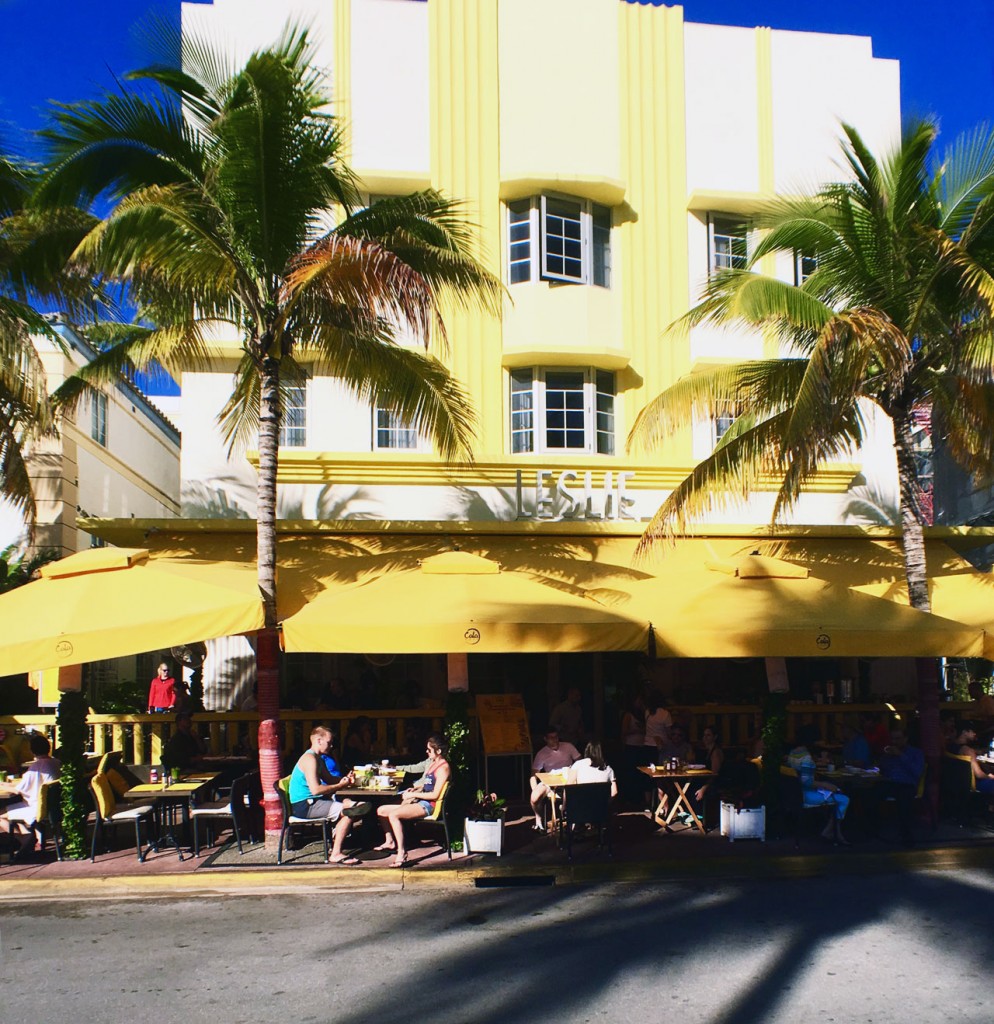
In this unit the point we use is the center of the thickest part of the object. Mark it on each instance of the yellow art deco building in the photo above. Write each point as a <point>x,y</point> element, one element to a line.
<point>611,154</point>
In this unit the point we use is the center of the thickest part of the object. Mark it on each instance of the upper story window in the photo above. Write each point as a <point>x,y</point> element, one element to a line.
<point>728,244</point>
<point>98,418</point>
<point>390,432</point>
<point>293,429</point>
<point>562,410</point>
<point>552,238</point>
<point>804,267</point>
<point>725,415</point>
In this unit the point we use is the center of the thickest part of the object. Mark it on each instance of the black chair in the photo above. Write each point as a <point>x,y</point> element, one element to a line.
<point>792,804</point>
<point>234,809</point>
<point>291,821</point>
<point>438,817</point>
<point>586,803</point>
<point>958,795</point>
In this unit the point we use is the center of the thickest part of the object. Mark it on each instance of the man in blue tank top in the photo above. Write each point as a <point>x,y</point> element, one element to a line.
<point>313,789</point>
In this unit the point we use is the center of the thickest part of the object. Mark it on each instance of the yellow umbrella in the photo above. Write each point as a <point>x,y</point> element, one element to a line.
<point>455,602</point>
<point>757,606</point>
<point>109,602</point>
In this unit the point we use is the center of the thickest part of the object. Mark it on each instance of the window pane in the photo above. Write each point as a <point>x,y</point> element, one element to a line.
<point>601,239</point>
<point>519,241</point>
<point>293,429</point>
<point>392,432</point>
<point>565,427</point>
<point>98,419</point>
<point>522,406</point>
<point>729,244</point>
<point>562,235</point>
<point>605,413</point>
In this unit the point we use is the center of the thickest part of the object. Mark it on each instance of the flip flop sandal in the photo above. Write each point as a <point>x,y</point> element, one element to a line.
<point>345,862</point>
<point>359,810</point>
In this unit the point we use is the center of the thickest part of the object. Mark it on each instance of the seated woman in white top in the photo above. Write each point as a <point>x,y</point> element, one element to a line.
<point>592,768</point>
<point>23,812</point>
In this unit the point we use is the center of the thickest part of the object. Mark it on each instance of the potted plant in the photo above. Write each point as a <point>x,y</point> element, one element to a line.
<point>484,825</point>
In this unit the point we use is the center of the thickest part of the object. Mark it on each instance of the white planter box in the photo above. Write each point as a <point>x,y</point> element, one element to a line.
<point>484,836</point>
<point>747,823</point>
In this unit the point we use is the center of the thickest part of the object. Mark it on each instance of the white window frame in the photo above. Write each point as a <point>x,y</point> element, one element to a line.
<point>294,435</point>
<point>593,254</point>
<point>800,274</point>
<point>530,420</point>
<point>399,436</point>
<point>99,408</point>
<point>723,419</point>
<point>735,260</point>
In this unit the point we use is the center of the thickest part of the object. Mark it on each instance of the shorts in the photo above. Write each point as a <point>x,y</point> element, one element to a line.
<point>428,806</point>
<point>319,807</point>
<point>20,812</point>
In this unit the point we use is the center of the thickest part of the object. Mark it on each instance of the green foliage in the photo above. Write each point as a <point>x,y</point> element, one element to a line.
<point>16,569</point>
<point>774,749</point>
<point>126,698</point>
<point>486,807</point>
<point>71,721</point>
<point>457,738</point>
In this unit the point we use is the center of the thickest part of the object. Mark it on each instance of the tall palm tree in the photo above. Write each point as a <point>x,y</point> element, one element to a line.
<point>231,208</point>
<point>896,314</point>
<point>33,250</point>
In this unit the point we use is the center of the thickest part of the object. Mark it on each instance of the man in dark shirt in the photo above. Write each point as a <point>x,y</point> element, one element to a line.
<point>184,748</point>
<point>901,767</point>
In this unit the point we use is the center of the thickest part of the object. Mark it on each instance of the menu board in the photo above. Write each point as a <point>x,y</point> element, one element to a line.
<point>503,723</point>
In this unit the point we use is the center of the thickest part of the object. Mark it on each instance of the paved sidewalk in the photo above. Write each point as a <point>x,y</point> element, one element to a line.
<point>639,852</point>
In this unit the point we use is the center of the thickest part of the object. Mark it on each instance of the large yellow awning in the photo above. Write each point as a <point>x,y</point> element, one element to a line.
<point>458,601</point>
<point>365,589</point>
<point>110,602</point>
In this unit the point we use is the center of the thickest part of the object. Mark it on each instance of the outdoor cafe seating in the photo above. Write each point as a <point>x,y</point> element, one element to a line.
<point>106,815</point>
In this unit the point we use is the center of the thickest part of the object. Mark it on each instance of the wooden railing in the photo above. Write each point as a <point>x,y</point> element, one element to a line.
<point>142,737</point>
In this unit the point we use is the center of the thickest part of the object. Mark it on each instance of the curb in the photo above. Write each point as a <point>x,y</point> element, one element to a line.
<point>214,883</point>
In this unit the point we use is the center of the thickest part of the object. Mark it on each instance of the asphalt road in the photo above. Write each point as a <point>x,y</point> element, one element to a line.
<point>910,947</point>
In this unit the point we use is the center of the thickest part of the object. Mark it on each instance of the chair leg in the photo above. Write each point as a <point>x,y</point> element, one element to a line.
<point>196,835</point>
<point>448,843</point>
<point>138,840</point>
<point>238,832</point>
<point>324,836</point>
<point>93,845</point>
<point>279,851</point>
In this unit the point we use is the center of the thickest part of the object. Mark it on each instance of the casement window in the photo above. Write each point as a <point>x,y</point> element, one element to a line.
<point>804,267</point>
<point>728,244</point>
<point>293,429</point>
<point>98,418</point>
<point>562,410</point>
<point>390,432</point>
<point>553,238</point>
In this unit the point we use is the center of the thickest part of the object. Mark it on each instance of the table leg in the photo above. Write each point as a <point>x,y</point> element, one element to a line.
<point>683,800</point>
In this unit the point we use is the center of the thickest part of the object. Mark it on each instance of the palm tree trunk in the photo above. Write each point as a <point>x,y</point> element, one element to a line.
<point>267,649</point>
<point>916,574</point>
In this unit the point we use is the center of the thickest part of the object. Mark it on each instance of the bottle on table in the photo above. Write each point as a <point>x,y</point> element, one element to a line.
<point>153,775</point>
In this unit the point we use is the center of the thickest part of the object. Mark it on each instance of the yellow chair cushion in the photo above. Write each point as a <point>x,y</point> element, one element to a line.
<point>104,795</point>
<point>439,804</point>
<point>118,782</point>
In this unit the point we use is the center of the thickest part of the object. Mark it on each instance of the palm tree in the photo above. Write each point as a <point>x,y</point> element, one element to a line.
<point>231,207</point>
<point>897,314</point>
<point>32,252</point>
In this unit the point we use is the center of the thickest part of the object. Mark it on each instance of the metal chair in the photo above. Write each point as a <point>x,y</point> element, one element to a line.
<point>233,808</point>
<point>106,814</point>
<point>50,816</point>
<point>438,817</point>
<point>587,803</point>
<point>292,821</point>
<point>792,803</point>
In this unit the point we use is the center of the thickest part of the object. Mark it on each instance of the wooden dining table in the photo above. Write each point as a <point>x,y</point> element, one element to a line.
<point>680,781</point>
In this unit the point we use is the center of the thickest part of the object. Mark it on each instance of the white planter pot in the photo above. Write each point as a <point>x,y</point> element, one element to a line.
<point>484,836</point>
<point>745,823</point>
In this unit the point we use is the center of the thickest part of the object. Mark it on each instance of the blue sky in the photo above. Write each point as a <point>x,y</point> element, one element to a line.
<point>67,49</point>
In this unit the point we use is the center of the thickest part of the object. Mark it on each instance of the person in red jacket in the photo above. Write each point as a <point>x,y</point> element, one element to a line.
<point>162,691</point>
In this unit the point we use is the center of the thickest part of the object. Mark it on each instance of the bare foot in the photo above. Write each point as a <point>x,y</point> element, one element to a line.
<point>386,846</point>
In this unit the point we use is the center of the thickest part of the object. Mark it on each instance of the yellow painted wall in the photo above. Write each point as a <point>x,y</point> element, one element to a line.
<point>465,163</point>
<point>652,239</point>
